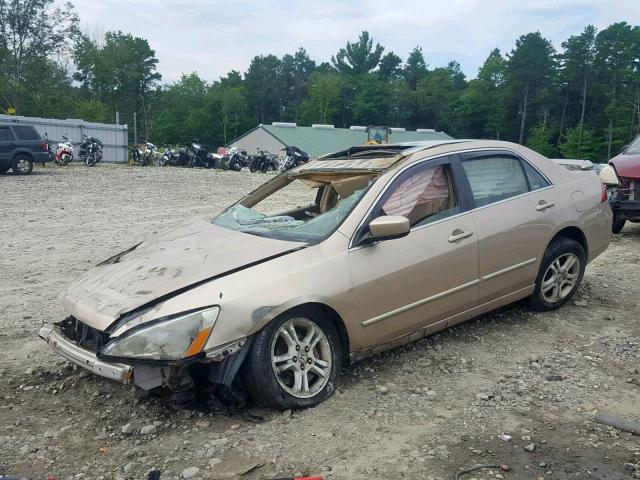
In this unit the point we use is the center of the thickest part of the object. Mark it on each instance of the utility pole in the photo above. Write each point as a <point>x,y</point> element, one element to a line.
<point>117,118</point>
<point>135,129</point>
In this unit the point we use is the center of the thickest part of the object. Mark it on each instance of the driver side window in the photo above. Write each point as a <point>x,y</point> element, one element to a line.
<point>423,194</point>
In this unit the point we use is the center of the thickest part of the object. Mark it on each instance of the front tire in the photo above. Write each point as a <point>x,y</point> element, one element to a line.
<point>560,275</point>
<point>617,225</point>
<point>294,362</point>
<point>22,165</point>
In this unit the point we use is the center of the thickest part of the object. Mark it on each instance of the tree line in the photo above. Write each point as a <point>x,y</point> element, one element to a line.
<point>582,101</point>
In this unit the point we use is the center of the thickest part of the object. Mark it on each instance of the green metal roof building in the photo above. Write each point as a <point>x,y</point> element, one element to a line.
<point>318,140</point>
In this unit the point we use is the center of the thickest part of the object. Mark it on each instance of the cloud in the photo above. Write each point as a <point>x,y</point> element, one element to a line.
<point>214,37</point>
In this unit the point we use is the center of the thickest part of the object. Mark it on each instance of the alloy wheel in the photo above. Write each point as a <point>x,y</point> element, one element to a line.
<point>560,278</point>
<point>301,357</point>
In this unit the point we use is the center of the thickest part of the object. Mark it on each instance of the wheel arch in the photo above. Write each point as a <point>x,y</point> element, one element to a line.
<point>574,233</point>
<point>22,151</point>
<point>323,309</point>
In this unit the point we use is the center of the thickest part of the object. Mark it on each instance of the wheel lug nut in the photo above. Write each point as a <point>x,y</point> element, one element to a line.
<point>297,348</point>
<point>306,349</point>
<point>301,367</point>
<point>295,359</point>
<point>309,361</point>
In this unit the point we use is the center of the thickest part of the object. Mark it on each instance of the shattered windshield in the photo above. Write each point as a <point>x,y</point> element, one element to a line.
<point>311,222</point>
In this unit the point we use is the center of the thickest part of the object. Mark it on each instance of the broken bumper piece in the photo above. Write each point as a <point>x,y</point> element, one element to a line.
<point>84,358</point>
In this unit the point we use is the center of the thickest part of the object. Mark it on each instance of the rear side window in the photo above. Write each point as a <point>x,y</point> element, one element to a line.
<point>536,181</point>
<point>495,178</point>
<point>5,134</point>
<point>25,132</point>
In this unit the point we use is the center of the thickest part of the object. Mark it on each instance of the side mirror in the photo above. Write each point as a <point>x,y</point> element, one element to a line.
<point>388,227</point>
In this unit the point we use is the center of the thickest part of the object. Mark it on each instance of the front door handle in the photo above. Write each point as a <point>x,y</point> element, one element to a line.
<point>458,234</point>
<point>543,205</point>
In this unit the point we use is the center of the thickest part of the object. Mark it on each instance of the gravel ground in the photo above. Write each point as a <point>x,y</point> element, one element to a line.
<point>422,411</point>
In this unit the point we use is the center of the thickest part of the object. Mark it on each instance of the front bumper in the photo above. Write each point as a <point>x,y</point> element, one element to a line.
<point>628,209</point>
<point>84,358</point>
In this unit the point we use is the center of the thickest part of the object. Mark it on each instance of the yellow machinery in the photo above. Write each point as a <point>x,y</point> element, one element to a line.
<point>377,135</point>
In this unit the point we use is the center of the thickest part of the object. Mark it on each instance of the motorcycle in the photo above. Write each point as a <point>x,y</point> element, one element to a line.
<point>295,157</point>
<point>263,162</point>
<point>136,155</point>
<point>50,151</point>
<point>144,156</point>
<point>90,150</point>
<point>64,152</point>
<point>169,156</point>
<point>199,157</point>
<point>235,159</point>
<point>149,154</point>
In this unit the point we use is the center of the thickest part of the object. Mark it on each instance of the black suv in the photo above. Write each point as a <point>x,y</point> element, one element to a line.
<point>20,146</point>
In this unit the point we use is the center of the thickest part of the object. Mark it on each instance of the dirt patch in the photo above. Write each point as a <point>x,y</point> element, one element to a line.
<point>421,411</point>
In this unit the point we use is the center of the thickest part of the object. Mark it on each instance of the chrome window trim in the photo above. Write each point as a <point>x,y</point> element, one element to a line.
<point>427,159</point>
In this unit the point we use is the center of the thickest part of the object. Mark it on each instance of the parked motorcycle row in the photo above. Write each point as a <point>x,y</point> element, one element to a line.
<point>234,158</point>
<point>89,151</point>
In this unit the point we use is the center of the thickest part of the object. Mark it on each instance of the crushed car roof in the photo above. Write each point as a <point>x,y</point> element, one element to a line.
<point>367,158</point>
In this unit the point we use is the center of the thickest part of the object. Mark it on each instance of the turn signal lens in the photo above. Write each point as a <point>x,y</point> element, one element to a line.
<point>198,342</point>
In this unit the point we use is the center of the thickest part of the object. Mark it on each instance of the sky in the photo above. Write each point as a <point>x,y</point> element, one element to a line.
<point>215,37</point>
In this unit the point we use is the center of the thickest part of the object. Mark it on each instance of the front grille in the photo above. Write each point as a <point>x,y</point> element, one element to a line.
<point>629,189</point>
<point>85,336</point>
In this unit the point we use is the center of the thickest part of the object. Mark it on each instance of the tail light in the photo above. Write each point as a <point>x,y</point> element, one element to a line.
<point>603,197</point>
<point>44,146</point>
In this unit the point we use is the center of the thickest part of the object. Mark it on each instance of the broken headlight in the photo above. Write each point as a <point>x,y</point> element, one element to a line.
<point>176,337</point>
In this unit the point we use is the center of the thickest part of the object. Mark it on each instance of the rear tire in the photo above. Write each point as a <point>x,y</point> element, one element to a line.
<point>617,225</point>
<point>560,275</point>
<point>302,344</point>
<point>22,165</point>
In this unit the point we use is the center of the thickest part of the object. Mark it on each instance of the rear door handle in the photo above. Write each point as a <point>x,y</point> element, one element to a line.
<point>458,234</point>
<point>543,205</point>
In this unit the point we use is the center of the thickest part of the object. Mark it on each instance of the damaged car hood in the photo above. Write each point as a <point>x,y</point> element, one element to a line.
<point>188,254</point>
<point>627,166</point>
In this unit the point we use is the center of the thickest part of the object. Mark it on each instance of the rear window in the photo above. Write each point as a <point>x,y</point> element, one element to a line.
<point>24,132</point>
<point>5,134</point>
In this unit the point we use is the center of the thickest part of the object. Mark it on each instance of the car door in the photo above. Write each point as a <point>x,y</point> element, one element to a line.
<point>513,203</point>
<point>7,144</point>
<point>406,284</point>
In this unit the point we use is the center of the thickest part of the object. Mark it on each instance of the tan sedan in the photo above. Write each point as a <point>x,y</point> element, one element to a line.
<point>345,256</point>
